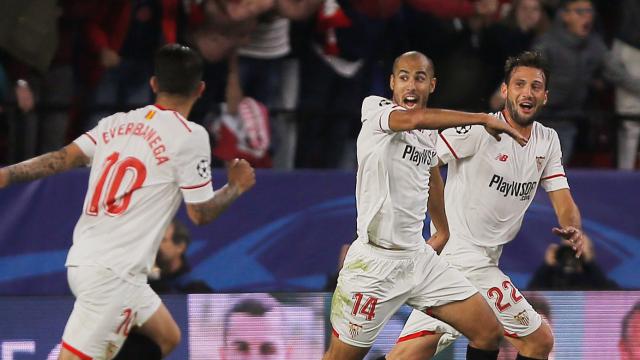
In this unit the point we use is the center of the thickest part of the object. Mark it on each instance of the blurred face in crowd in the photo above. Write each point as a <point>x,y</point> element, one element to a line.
<point>528,14</point>
<point>251,337</point>
<point>526,94</point>
<point>578,18</point>
<point>168,250</point>
<point>412,80</point>
<point>630,348</point>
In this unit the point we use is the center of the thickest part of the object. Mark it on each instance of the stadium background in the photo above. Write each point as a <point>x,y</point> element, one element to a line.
<point>285,235</point>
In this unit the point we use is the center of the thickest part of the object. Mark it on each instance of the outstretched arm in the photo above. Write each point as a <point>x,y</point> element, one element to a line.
<point>568,218</point>
<point>51,163</point>
<point>441,119</point>
<point>437,211</point>
<point>241,178</point>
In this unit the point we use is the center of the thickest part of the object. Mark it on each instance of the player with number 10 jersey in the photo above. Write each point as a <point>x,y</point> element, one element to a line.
<point>143,163</point>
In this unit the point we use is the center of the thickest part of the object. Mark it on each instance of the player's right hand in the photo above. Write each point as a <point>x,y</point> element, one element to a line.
<point>495,127</point>
<point>241,175</point>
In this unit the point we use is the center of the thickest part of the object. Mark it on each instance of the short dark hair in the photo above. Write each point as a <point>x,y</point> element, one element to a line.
<point>178,69</point>
<point>565,3</point>
<point>532,59</point>
<point>254,305</point>
<point>627,319</point>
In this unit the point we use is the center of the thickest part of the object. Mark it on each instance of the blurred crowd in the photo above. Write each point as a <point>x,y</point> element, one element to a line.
<point>285,78</point>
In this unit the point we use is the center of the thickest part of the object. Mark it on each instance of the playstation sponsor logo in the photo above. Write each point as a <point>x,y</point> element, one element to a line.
<point>418,156</point>
<point>519,190</point>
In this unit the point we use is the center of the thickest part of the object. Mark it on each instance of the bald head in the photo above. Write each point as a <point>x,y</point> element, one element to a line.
<point>414,56</point>
<point>412,80</point>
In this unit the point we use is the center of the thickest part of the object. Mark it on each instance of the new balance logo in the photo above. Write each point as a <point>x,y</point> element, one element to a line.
<point>502,157</point>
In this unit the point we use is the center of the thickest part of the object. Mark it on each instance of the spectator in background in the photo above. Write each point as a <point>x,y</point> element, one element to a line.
<point>525,21</point>
<point>561,270</point>
<point>270,75</point>
<point>453,33</point>
<point>255,328</point>
<point>332,84</point>
<point>575,54</point>
<point>242,129</point>
<point>124,35</point>
<point>626,46</point>
<point>171,273</point>
<point>629,346</point>
<point>23,123</point>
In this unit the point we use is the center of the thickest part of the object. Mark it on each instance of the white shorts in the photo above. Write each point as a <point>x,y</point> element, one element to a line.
<point>106,308</point>
<point>375,282</point>
<point>480,266</point>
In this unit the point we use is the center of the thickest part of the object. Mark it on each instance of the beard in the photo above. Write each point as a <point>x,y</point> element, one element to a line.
<point>515,115</point>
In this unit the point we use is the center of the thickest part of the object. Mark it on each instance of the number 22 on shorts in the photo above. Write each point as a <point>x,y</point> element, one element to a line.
<point>368,309</point>
<point>499,295</point>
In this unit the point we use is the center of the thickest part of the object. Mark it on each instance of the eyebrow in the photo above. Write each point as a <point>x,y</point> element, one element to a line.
<point>407,72</point>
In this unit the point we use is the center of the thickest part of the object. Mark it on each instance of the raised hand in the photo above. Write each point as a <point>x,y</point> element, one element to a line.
<point>241,175</point>
<point>495,127</point>
<point>574,236</point>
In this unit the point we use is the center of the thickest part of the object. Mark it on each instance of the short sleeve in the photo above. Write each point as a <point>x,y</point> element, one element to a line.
<point>553,175</point>
<point>193,168</point>
<point>377,110</point>
<point>88,142</point>
<point>459,142</point>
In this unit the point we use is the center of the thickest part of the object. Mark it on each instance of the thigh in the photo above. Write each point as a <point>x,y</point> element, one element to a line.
<point>438,283</point>
<point>161,328</point>
<point>102,316</point>
<point>511,308</point>
<point>369,291</point>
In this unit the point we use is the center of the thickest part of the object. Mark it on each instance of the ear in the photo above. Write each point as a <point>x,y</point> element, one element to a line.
<point>153,82</point>
<point>432,86</point>
<point>503,90</point>
<point>546,97</point>
<point>391,81</point>
<point>201,87</point>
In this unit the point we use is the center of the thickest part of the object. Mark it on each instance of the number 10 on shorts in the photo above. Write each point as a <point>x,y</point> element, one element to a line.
<point>368,309</point>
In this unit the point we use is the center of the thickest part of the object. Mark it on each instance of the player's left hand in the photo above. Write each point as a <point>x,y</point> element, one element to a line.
<point>437,241</point>
<point>574,236</point>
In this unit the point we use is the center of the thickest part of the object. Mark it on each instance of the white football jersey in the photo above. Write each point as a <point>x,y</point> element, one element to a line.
<point>143,163</point>
<point>491,183</point>
<point>392,184</point>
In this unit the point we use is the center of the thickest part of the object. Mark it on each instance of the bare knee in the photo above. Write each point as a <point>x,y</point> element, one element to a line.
<point>489,338</point>
<point>539,344</point>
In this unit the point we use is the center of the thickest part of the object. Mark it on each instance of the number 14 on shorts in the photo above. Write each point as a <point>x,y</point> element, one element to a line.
<point>368,308</point>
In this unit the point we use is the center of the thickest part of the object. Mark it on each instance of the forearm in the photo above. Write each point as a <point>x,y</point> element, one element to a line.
<point>208,211</point>
<point>570,216</point>
<point>434,119</point>
<point>42,166</point>
<point>437,209</point>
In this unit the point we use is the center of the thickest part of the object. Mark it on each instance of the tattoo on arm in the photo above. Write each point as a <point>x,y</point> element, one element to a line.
<point>42,166</point>
<point>210,210</point>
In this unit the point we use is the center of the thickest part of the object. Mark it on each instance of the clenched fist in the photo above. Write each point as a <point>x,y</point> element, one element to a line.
<point>241,175</point>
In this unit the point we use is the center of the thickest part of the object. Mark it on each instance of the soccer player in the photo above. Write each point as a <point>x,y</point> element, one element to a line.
<point>390,263</point>
<point>143,163</point>
<point>489,187</point>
